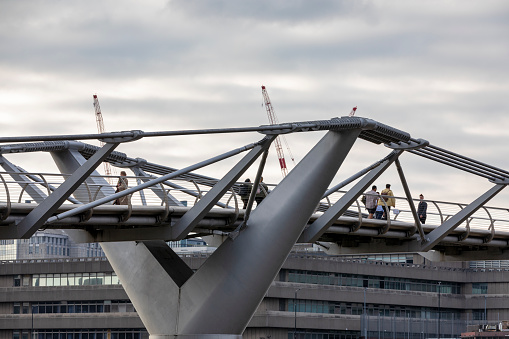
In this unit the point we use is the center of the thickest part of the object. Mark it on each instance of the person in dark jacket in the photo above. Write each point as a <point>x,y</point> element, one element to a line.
<point>245,192</point>
<point>261,192</point>
<point>421,209</point>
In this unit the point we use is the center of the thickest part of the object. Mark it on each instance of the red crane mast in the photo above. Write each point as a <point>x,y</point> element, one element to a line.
<point>277,143</point>
<point>100,128</point>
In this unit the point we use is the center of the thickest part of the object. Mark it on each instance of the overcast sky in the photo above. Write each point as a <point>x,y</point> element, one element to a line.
<point>436,69</point>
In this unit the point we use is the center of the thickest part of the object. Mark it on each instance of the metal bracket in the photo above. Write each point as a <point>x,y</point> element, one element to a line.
<point>499,181</point>
<point>412,144</point>
<point>136,135</point>
<point>357,225</point>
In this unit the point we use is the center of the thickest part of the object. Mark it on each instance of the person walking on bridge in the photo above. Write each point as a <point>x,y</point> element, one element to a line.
<point>245,192</point>
<point>122,186</point>
<point>371,199</point>
<point>261,192</point>
<point>387,195</point>
<point>421,209</point>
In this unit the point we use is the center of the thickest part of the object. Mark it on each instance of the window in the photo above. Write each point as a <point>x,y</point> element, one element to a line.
<point>17,280</point>
<point>479,288</point>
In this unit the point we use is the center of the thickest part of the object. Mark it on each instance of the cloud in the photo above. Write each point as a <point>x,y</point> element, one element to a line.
<point>434,69</point>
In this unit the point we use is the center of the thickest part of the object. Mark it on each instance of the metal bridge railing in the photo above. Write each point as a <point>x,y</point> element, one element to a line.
<point>487,218</point>
<point>186,192</point>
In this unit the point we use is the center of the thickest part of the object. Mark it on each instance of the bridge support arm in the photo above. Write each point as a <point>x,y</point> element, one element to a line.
<point>237,275</point>
<point>409,199</point>
<point>156,189</point>
<point>320,225</point>
<point>447,227</point>
<point>32,189</point>
<point>38,216</point>
<point>200,209</point>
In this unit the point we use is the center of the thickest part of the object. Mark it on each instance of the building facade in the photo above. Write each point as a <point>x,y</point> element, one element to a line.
<point>313,296</point>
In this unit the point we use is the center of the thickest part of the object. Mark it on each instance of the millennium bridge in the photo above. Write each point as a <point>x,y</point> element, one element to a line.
<point>169,204</point>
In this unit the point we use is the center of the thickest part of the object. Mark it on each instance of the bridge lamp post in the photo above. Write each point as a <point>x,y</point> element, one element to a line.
<point>295,313</point>
<point>485,313</point>
<point>32,331</point>
<point>364,315</point>
<point>439,311</point>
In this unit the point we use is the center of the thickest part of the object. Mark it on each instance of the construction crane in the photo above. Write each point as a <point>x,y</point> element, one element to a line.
<point>100,129</point>
<point>277,143</point>
<point>352,113</point>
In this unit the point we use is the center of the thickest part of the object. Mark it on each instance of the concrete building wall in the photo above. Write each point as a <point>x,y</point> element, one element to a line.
<point>274,318</point>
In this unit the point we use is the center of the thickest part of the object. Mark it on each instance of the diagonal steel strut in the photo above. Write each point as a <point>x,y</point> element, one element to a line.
<point>320,225</point>
<point>435,236</point>
<point>202,207</point>
<point>238,274</point>
<point>38,216</point>
<point>410,200</point>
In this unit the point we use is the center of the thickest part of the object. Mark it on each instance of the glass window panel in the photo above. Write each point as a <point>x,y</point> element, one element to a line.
<point>86,279</point>
<point>56,279</point>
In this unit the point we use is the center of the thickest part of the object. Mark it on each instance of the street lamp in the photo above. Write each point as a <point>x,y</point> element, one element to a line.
<point>485,313</point>
<point>364,315</point>
<point>295,313</point>
<point>32,332</point>
<point>439,315</point>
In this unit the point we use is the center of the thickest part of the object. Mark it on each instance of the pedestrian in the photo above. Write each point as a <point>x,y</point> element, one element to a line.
<point>245,192</point>
<point>387,195</point>
<point>371,201</point>
<point>422,209</point>
<point>379,211</point>
<point>121,186</point>
<point>261,192</point>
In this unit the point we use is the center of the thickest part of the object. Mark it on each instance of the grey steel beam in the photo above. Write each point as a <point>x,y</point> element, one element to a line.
<point>409,199</point>
<point>254,188</point>
<point>238,274</point>
<point>32,190</point>
<point>50,187</point>
<point>200,209</point>
<point>435,236</point>
<point>319,226</point>
<point>372,131</point>
<point>156,181</point>
<point>352,178</point>
<point>35,219</point>
<point>156,189</point>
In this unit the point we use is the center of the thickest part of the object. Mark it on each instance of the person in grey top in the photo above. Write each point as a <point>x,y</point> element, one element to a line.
<point>371,201</point>
<point>422,209</point>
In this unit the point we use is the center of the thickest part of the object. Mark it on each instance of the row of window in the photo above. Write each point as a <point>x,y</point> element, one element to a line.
<point>105,306</point>
<point>62,241</point>
<point>479,288</point>
<point>320,334</point>
<point>355,280</point>
<point>50,249</point>
<point>336,307</point>
<point>80,334</point>
<point>75,279</point>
